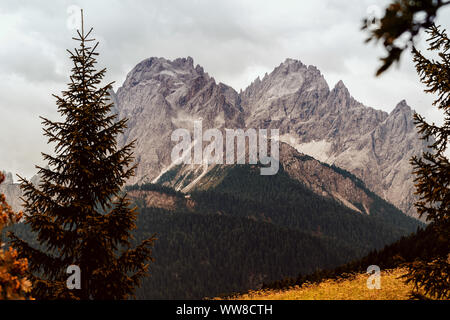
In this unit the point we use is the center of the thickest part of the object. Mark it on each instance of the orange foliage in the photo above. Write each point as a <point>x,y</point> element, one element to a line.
<point>13,283</point>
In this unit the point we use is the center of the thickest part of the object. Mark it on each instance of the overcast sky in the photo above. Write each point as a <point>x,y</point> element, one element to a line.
<point>235,41</point>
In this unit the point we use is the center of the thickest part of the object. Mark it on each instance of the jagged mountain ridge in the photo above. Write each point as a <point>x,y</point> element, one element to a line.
<point>160,95</point>
<point>333,127</point>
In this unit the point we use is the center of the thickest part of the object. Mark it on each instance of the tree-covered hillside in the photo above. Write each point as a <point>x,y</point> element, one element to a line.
<point>246,230</point>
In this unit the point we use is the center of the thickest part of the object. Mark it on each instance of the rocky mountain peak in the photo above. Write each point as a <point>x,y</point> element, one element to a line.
<point>161,95</point>
<point>401,107</point>
<point>400,120</point>
<point>340,96</point>
<point>290,79</point>
<point>163,70</point>
<point>291,65</point>
<point>340,86</point>
<point>296,69</point>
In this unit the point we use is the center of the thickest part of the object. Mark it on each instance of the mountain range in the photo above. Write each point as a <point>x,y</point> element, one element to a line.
<point>160,95</point>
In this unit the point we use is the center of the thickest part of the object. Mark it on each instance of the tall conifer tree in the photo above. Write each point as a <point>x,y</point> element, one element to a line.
<point>78,211</point>
<point>432,171</point>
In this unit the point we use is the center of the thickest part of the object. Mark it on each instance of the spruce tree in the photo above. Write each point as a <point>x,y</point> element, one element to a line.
<point>432,170</point>
<point>79,211</point>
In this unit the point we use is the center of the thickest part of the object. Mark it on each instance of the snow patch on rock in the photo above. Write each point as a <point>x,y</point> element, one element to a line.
<point>319,150</point>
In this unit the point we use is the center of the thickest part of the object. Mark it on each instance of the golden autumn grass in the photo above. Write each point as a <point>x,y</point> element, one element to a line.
<point>352,288</point>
